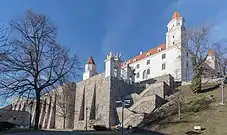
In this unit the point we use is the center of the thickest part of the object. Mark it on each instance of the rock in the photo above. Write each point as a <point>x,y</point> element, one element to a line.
<point>192,133</point>
<point>197,127</point>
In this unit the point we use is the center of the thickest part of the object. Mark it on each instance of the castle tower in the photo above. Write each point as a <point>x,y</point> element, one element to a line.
<point>128,73</point>
<point>176,31</point>
<point>113,65</point>
<point>213,61</point>
<point>90,68</point>
<point>176,44</point>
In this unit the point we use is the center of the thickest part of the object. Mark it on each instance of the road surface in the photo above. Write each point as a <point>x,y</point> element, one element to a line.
<point>75,133</point>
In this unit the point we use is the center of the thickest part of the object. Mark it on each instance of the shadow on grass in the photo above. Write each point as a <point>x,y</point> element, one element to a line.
<point>210,88</point>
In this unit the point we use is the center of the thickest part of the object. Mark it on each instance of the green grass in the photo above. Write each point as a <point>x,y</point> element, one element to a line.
<point>202,109</point>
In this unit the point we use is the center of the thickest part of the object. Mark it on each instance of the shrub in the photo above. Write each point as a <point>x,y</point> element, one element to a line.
<point>99,128</point>
<point>6,125</point>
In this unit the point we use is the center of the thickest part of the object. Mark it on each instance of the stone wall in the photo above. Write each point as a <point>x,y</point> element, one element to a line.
<point>151,95</point>
<point>93,101</point>
<point>168,79</point>
<point>65,105</point>
<point>18,117</point>
<point>93,94</point>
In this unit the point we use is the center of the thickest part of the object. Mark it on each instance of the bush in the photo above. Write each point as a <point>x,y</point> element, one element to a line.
<point>99,128</point>
<point>6,126</point>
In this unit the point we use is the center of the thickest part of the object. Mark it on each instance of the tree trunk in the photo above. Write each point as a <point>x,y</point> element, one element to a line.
<point>37,110</point>
<point>64,123</point>
<point>179,110</point>
<point>224,70</point>
<point>197,81</point>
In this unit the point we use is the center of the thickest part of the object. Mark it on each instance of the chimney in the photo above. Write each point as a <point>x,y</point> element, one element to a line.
<point>141,52</point>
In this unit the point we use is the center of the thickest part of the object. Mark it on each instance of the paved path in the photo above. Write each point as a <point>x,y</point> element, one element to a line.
<point>61,133</point>
<point>73,133</point>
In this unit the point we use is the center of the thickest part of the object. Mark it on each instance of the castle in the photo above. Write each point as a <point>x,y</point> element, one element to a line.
<point>167,58</point>
<point>146,80</point>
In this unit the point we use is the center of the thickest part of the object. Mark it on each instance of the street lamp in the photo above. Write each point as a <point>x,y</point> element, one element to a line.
<point>86,119</point>
<point>224,82</point>
<point>30,121</point>
<point>123,103</point>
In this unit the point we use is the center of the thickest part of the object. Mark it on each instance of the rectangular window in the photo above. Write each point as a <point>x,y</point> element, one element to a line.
<point>186,64</point>
<point>148,62</point>
<point>138,75</point>
<point>163,66</point>
<point>187,54</point>
<point>138,66</point>
<point>163,56</point>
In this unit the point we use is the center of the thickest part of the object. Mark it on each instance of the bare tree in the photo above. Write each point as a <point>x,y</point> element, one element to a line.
<point>64,102</point>
<point>225,66</point>
<point>197,45</point>
<point>178,101</point>
<point>4,34</point>
<point>221,53</point>
<point>37,62</point>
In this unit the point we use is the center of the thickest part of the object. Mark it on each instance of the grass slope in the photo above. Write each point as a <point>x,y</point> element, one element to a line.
<point>201,109</point>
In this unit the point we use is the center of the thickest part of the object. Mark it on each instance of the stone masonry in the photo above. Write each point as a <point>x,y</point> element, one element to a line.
<point>94,101</point>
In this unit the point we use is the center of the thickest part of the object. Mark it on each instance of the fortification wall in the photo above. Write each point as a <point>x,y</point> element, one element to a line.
<point>93,94</point>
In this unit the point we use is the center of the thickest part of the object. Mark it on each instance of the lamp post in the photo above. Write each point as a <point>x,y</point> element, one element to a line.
<point>122,117</point>
<point>30,119</point>
<point>224,82</point>
<point>123,103</point>
<point>86,119</point>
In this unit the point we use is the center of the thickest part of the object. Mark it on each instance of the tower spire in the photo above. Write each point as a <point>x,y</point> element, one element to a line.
<point>90,60</point>
<point>176,15</point>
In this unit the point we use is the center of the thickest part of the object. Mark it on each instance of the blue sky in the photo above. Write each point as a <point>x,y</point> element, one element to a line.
<point>93,27</point>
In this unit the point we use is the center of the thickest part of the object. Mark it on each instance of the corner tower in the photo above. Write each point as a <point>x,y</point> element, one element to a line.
<point>113,65</point>
<point>90,68</point>
<point>176,31</point>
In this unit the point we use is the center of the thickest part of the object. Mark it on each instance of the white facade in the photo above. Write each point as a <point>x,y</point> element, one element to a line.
<point>114,68</point>
<point>90,69</point>
<point>169,60</point>
<point>213,61</point>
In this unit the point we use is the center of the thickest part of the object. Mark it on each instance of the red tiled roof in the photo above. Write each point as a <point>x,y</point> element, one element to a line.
<point>144,55</point>
<point>210,52</point>
<point>90,60</point>
<point>176,15</point>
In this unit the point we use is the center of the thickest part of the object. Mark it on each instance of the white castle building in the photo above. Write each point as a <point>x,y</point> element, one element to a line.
<point>164,59</point>
<point>167,58</point>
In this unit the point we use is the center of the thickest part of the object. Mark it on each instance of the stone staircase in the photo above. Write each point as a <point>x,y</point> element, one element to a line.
<point>145,102</point>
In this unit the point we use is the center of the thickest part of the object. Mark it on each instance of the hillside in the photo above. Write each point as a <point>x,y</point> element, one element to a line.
<point>201,109</point>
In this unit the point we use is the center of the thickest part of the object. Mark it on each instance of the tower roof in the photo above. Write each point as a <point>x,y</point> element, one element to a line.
<point>90,60</point>
<point>210,52</point>
<point>176,15</point>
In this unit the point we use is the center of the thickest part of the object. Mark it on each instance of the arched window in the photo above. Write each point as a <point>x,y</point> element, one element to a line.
<point>115,72</point>
<point>130,80</point>
<point>148,71</point>
<point>144,74</point>
<point>159,50</point>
